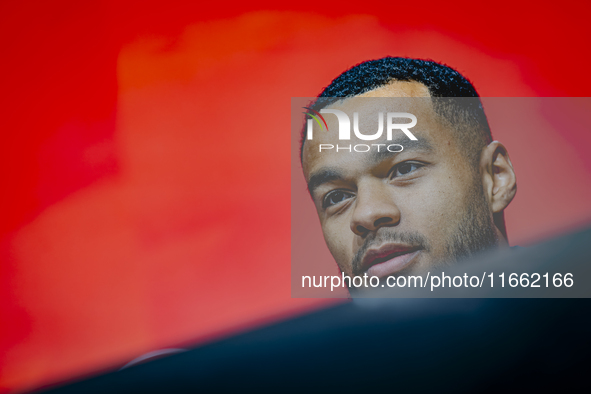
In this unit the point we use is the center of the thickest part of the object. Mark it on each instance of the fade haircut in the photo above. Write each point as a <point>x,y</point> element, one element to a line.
<point>454,98</point>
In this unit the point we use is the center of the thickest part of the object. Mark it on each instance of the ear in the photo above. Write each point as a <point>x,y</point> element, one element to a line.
<point>500,184</point>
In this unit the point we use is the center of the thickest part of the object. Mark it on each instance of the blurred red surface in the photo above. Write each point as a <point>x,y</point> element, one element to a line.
<point>146,195</point>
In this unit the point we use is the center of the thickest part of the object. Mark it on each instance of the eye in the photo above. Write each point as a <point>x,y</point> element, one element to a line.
<point>405,168</point>
<point>335,197</point>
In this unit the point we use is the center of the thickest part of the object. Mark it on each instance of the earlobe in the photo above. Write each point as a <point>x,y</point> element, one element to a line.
<point>499,177</point>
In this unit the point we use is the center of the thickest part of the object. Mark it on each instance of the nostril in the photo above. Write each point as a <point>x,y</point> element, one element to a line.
<point>383,221</point>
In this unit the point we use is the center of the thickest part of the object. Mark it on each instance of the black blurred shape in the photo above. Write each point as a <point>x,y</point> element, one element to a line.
<point>406,345</point>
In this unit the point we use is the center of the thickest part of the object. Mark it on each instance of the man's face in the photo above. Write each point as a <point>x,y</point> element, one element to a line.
<point>396,213</point>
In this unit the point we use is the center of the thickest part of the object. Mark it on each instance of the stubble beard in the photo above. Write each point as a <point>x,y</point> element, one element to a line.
<point>474,233</point>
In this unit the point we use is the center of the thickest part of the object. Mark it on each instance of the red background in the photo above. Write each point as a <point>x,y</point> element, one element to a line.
<point>145,201</point>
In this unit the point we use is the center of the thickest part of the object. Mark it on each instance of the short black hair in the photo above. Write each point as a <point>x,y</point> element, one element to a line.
<point>446,85</point>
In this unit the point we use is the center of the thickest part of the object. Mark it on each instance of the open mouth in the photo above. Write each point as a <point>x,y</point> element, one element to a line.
<point>389,260</point>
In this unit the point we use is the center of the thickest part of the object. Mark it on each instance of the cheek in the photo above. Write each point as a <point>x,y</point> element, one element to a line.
<point>338,237</point>
<point>435,207</point>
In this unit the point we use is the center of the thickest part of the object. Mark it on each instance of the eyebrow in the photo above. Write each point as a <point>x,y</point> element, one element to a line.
<point>422,144</point>
<point>330,174</point>
<point>323,176</point>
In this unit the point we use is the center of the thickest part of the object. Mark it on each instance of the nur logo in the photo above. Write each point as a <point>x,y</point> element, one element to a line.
<point>345,128</point>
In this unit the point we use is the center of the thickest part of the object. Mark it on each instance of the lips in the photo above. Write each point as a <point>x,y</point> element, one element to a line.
<point>388,259</point>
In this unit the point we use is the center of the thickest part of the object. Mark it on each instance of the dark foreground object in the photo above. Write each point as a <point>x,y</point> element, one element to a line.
<point>405,345</point>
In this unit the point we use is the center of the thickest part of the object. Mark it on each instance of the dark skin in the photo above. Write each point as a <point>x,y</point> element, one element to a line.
<point>411,203</point>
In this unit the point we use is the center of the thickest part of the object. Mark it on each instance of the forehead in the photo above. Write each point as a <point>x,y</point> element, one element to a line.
<point>409,97</point>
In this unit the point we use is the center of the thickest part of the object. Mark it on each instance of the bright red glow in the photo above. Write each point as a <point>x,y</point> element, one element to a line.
<point>146,195</point>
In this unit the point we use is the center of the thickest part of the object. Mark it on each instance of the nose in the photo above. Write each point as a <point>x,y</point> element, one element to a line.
<point>374,208</point>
